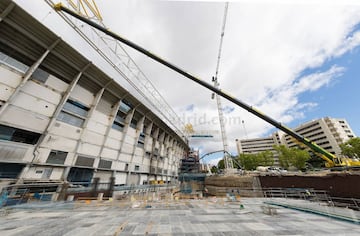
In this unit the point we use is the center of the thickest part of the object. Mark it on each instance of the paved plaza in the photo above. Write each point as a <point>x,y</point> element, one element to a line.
<point>183,217</point>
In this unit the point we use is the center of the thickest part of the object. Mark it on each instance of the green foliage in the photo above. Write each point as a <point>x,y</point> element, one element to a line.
<point>214,169</point>
<point>351,148</point>
<point>251,161</point>
<point>292,157</point>
<point>221,164</point>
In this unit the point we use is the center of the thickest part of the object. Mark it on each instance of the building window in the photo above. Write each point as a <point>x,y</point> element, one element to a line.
<point>137,168</point>
<point>18,135</point>
<point>141,140</point>
<point>73,113</point>
<point>40,75</point>
<point>84,161</point>
<point>57,157</point>
<point>119,122</point>
<point>11,62</point>
<point>104,164</point>
<point>133,123</point>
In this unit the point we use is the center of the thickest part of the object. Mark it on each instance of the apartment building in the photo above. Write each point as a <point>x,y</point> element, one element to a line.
<point>326,132</point>
<point>63,119</point>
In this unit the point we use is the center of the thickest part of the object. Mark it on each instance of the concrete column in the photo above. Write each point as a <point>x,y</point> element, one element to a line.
<point>128,119</point>
<point>27,75</point>
<point>88,117</point>
<point>58,109</point>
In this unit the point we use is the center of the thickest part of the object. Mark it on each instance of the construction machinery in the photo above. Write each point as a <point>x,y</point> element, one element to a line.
<point>227,158</point>
<point>330,159</point>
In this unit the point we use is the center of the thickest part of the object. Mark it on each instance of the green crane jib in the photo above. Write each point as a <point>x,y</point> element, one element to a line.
<point>331,159</point>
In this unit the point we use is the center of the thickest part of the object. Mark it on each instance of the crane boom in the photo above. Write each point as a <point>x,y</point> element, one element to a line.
<point>227,158</point>
<point>331,159</point>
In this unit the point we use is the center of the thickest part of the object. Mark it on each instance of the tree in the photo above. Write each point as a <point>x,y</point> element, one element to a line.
<point>266,158</point>
<point>292,157</point>
<point>351,148</point>
<point>249,161</point>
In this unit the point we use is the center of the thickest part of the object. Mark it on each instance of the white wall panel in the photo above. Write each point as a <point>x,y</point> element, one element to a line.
<point>10,78</point>
<point>17,117</point>
<point>120,178</point>
<point>56,84</point>
<point>100,117</point>
<point>96,126</point>
<point>59,143</point>
<point>125,157</point>
<point>89,149</point>
<point>127,148</point>
<point>139,152</point>
<point>34,104</point>
<point>143,178</point>
<point>117,165</point>
<point>66,130</point>
<point>5,92</point>
<point>130,139</point>
<point>41,92</point>
<point>82,95</point>
<point>137,159</point>
<point>56,173</point>
<point>109,153</point>
<point>93,138</point>
<point>103,175</point>
<point>115,134</point>
<point>112,143</point>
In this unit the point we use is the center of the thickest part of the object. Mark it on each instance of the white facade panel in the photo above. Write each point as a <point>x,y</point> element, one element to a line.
<point>59,143</point>
<point>109,153</point>
<point>43,154</point>
<point>93,138</point>
<point>9,77</point>
<point>89,149</point>
<point>112,143</point>
<point>137,159</point>
<point>70,159</point>
<point>115,134</point>
<point>100,117</point>
<point>31,103</point>
<point>39,91</point>
<point>139,152</point>
<point>66,130</point>
<point>56,173</point>
<point>17,116</point>
<point>120,178</point>
<point>127,148</point>
<point>143,178</point>
<point>56,84</point>
<point>5,92</point>
<point>104,176</point>
<point>96,127</point>
<point>125,157</point>
<point>82,95</point>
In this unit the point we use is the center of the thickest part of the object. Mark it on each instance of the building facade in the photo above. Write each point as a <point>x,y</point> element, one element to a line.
<point>63,119</point>
<point>326,132</point>
<point>257,145</point>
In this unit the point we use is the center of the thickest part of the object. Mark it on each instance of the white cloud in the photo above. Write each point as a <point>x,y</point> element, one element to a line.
<point>266,48</point>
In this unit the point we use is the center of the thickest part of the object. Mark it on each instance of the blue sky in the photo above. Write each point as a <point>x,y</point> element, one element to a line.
<point>341,98</point>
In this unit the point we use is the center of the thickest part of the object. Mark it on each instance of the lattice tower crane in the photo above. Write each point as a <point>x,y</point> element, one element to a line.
<point>114,54</point>
<point>227,158</point>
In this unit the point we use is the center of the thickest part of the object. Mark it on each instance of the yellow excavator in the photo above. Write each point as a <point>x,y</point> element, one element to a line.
<point>331,160</point>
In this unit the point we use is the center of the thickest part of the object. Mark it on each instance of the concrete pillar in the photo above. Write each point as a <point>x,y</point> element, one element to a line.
<point>27,75</point>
